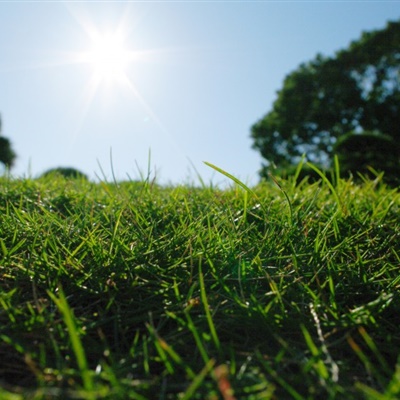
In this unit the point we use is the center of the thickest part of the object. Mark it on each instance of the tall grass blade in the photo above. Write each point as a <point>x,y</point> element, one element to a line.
<point>198,380</point>
<point>298,170</point>
<point>336,169</point>
<point>341,207</point>
<point>286,196</point>
<point>197,337</point>
<point>232,178</point>
<point>77,347</point>
<point>170,351</point>
<point>239,183</point>
<point>204,300</point>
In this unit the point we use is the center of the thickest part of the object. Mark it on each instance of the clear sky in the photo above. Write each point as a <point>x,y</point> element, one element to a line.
<point>80,81</point>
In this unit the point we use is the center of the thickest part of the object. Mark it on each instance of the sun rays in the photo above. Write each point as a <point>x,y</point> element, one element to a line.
<point>109,57</point>
<point>104,70</point>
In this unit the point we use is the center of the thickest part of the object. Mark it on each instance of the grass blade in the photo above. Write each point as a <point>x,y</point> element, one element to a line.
<point>286,196</point>
<point>198,380</point>
<point>231,177</point>
<point>77,347</point>
<point>204,300</point>
<point>341,207</point>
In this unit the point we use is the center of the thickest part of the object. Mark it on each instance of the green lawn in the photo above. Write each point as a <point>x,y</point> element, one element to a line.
<point>136,291</point>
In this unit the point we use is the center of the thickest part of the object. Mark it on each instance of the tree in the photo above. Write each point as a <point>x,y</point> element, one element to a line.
<point>7,155</point>
<point>356,90</point>
<point>359,153</point>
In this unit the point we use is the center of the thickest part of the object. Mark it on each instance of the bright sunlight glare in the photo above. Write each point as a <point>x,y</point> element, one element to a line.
<point>109,57</point>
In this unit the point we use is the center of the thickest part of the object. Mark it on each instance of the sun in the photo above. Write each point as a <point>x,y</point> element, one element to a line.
<point>109,57</point>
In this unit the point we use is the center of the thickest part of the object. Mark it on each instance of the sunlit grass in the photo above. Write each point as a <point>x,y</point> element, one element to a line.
<point>135,291</point>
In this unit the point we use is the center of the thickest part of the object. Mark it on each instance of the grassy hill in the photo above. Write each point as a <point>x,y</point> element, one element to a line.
<point>135,291</point>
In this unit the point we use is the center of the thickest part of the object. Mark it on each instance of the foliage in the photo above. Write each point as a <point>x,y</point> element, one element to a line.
<point>7,154</point>
<point>66,172</point>
<point>135,291</point>
<point>356,90</point>
<point>369,152</point>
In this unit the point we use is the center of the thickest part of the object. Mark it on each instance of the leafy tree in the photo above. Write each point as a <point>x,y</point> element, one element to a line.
<point>7,155</point>
<point>356,90</point>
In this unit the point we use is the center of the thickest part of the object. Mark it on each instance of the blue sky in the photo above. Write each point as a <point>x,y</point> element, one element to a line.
<point>197,76</point>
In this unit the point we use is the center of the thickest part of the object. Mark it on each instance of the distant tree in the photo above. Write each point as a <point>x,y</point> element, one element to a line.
<point>66,172</point>
<point>361,152</point>
<point>7,155</point>
<point>356,90</point>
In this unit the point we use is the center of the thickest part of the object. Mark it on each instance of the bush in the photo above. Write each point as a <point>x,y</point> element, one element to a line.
<point>66,172</point>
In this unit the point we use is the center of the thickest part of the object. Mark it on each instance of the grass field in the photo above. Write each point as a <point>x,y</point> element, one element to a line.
<point>136,291</point>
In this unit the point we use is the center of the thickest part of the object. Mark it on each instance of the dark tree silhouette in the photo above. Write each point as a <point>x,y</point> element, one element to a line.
<point>356,90</point>
<point>7,154</point>
<point>361,152</point>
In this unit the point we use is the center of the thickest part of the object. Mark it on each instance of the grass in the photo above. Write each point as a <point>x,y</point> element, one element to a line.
<point>136,291</point>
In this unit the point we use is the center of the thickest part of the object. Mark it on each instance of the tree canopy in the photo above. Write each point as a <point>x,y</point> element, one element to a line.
<point>7,154</point>
<point>356,90</point>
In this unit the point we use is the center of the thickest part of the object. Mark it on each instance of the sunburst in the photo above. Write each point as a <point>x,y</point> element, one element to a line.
<point>109,57</point>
